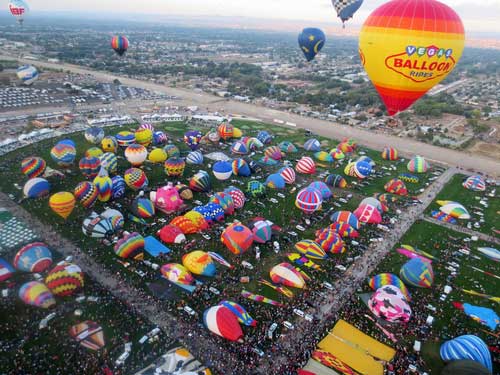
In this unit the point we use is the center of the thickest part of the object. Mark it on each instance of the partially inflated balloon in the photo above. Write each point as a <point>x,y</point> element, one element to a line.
<point>407,47</point>
<point>311,40</point>
<point>104,185</point>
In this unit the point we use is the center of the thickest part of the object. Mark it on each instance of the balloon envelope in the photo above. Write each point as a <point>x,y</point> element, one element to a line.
<point>221,321</point>
<point>311,41</point>
<point>466,347</point>
<point>119,44</point>
<point>89,334</point>
<point>62,203</point>
<point>286,274</point>
<point>389,303</point>
<point>34,257</point>
<point>36,294</point>
<point>33,166</point>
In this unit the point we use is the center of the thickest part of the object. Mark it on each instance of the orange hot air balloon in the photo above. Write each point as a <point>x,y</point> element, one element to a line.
<point>407,47</point>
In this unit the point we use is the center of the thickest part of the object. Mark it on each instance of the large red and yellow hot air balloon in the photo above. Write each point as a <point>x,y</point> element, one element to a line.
<point>407,47</point>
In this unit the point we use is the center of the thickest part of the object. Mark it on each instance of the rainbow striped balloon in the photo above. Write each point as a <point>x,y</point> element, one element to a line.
<point>120,44</point>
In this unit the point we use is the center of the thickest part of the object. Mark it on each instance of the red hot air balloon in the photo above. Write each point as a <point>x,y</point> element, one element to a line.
<point>221,321</point>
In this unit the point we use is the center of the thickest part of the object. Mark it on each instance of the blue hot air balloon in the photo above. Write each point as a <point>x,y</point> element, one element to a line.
<point>346,8</point>
<point>311,40</point>
<point>466,347</point>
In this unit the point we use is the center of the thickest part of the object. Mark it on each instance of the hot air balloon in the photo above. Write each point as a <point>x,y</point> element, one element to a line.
<point>195,158</point>
<point>344,230</point>
<point>171,234</point>
<point>89,166</point>
<point>240,313</point>
<point>27,74</point>
<point>214,211</point>
<point>390,153</point>
<point>125,138</point>
<point>192,139</point>
<point>184,191</point>
<point>273,152</point>
<point>346,8</point>
<point>36,188</point>
<point>287,147</point>
<point>94,134</point>
<point>311,41</point>
<point>367,213</point>
<point>62,203</point>
<point>221,321</point>
<point>143,136</point>
<point>306,165</point>
<point>337,154</point>
<point>466,347</point>
<point>275,181</point>
<point>200,182</point>
<point>175,166</point>
<point>199,263</point>
<point>239,148</point>
<point>109,161</point>
<point>256,188</point>
<point>118,187</point>
<point>33,166</point>
<point>93,152</point>
<point>237,238</point>
<point>374,202</point>
<point>241,168</point>
<point>64,279</point>
<point>323,188</point>
<point>288,175</point>
<point>286,274</point>
<point>323,156</point>
<point>36,294</point>
<point>464,367</point>
<point>418,164</point>
<point>308,200</point>
<point>345,217</point>
<point>6,270</point>
<point>143,207</point>
<point>147,126</point>
<point>34,257</point>
<point>222,170</point>
<point>264,137</point>
<point>335,180</point>
<point>177,273</point>
<point>330,241</point>
<point>225,201</point>
<point>172,151</point>
<point>197,219</point>
<point>136,154</point>
<point>312,144</point>
<point>157,156</point>
<point>131,245</point>
<point>362,169</point>
<point>475,183</point>
<point>159,138</point>
<point>383,279</point>
<point>396,186</point>
<point>407,47</point>
<point>109,144</point>
<point>389,303</point>
<point>268,161</point>
<point>417,272</point>
<point>88,334</point>
<point>86,193</point>
<point>261,230</point>
<point>19,9</point>
<point>97,226</point>
<point>456,210</point>
<point>167,198</point>
<point>237,195</point>
<point>63,154</point>
<point>310,249</point>
<point>120,44</point>
<point>104,185</point>
<point>225,130</point>
<point>135,178</point>
<point>184,224</point>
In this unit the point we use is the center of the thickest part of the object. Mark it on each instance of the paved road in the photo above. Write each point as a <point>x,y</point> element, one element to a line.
<point>377,141</point>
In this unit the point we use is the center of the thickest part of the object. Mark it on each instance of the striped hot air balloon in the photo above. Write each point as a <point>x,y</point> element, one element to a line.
<point>310,249</point>
<point>288,175</point>
<point>62,203</point>
<point>36,294</point>
<point>120,44</point>
<point>33,166</point>
<point>390,153</point>
<point>104,185</point>
<point>131,245</point>
<point>89,166</point>
<point>65,279</point>
<point>308,200</point>
<point>306,165</point>
<point>86,193</point>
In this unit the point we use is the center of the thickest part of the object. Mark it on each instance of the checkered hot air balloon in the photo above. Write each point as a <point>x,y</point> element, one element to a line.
<point>308,200</point>
<point>86,193</point>
<point>135,178</point>
<point>306,165</point>
<point>256,188</point>
<point>225,200</point>
<point>237,195</point>
<point>184,224</point>
<point>33,166</point>
<point>65,279</point>
<point>215,211</point>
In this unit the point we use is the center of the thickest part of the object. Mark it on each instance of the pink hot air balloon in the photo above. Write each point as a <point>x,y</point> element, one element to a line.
<point>167,198</point>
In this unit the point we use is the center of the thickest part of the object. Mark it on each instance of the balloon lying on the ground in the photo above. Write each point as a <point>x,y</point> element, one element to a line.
<point>253,143</point>
<point>323,156</point>
<point>383,279</point>
<point>97,226</point>
<point>256,188</point>
<point>104,185</point>
<point>62,203</point>
<point>237,195</point>
<point>109,144</point>
<point>367,213</point>
<point>241,168</point>
<point>335,180</point>
<point>28,74</point>
<point>288,175</point>
<point>466,347</point>
<point>63,153</point>
<point>311,41</point>
<point>184,191</point>
<point>125,138</point>
<point>408,177</point>
<point>287,147</point>
<point>88,334</point>
<point>135,178</point>
<point>490,253</point>
<point>222,170</point>
<point>475,183</point>
<point>417,272</point>
<point>119,43</point>
<point>239,148</point>
<point>349,170</point>
<point>323,188</point>
<point>362,169</point>
<point>118,187</point>
<point>215,211</point>
<point>6,270</point>
<point>177,273</point>
<point>346,9</point>
<point>195,158</point>
<point>273,152</point>
<point>237,238</point>
<point>143,207</point>
<point>239,311</point>
<point>261,230</point>
<point>275,181</point>
<point>345,148</point>
<point>464,367</point>
<point>33,166</point>
<point>36,294</point>
<point>93,152</point>
<point>390,153</point>
<point>167,198</point>
<point>199,263</point>
<point>136,154</point>
<point>396,186</point>
<point>184,224</point>
<point>65,279</point>
<point>225,130</point>
<point>405,59</point>
<point>86,193</point>
<point>345,217</point>
<point>389,303</point>
<point>330,241</point>
<point>131,245</point>
<point>308,200</point>
<point>337,154</point>
<point>36,188</point>
<point>34,257</point>
<point>306,165</point>
<point>221,321</point>
<point>200,182</point>
<point>159,138</point>
<point>192,139</point>
<point>225,201</point>
<point>213,136</point>
<point>374,202</point>
<point>143,136</point>
<point>310,249</point>
<point>197,219</point>
<point>115,216</point>
<point>418,164</point>
<point>94,134</point>
<point>89,166</point>
<point>157,156</point>
<point>482,315</point>
<point>455,210</point>
<point>286,274</point>
<point>171,234</point>
<point>344,230</point>
<point>174,166</point>
<point>312,144</point>
<point>264,137</point>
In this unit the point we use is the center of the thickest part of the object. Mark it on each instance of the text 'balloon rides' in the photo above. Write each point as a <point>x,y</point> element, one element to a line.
<point>407,47</point>
<point>311,41</point>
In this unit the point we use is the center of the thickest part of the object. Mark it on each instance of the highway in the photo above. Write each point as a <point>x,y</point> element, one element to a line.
<point>406,146</point>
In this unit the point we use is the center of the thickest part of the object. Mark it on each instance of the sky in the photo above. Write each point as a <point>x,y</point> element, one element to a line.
<point>477,15</point>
